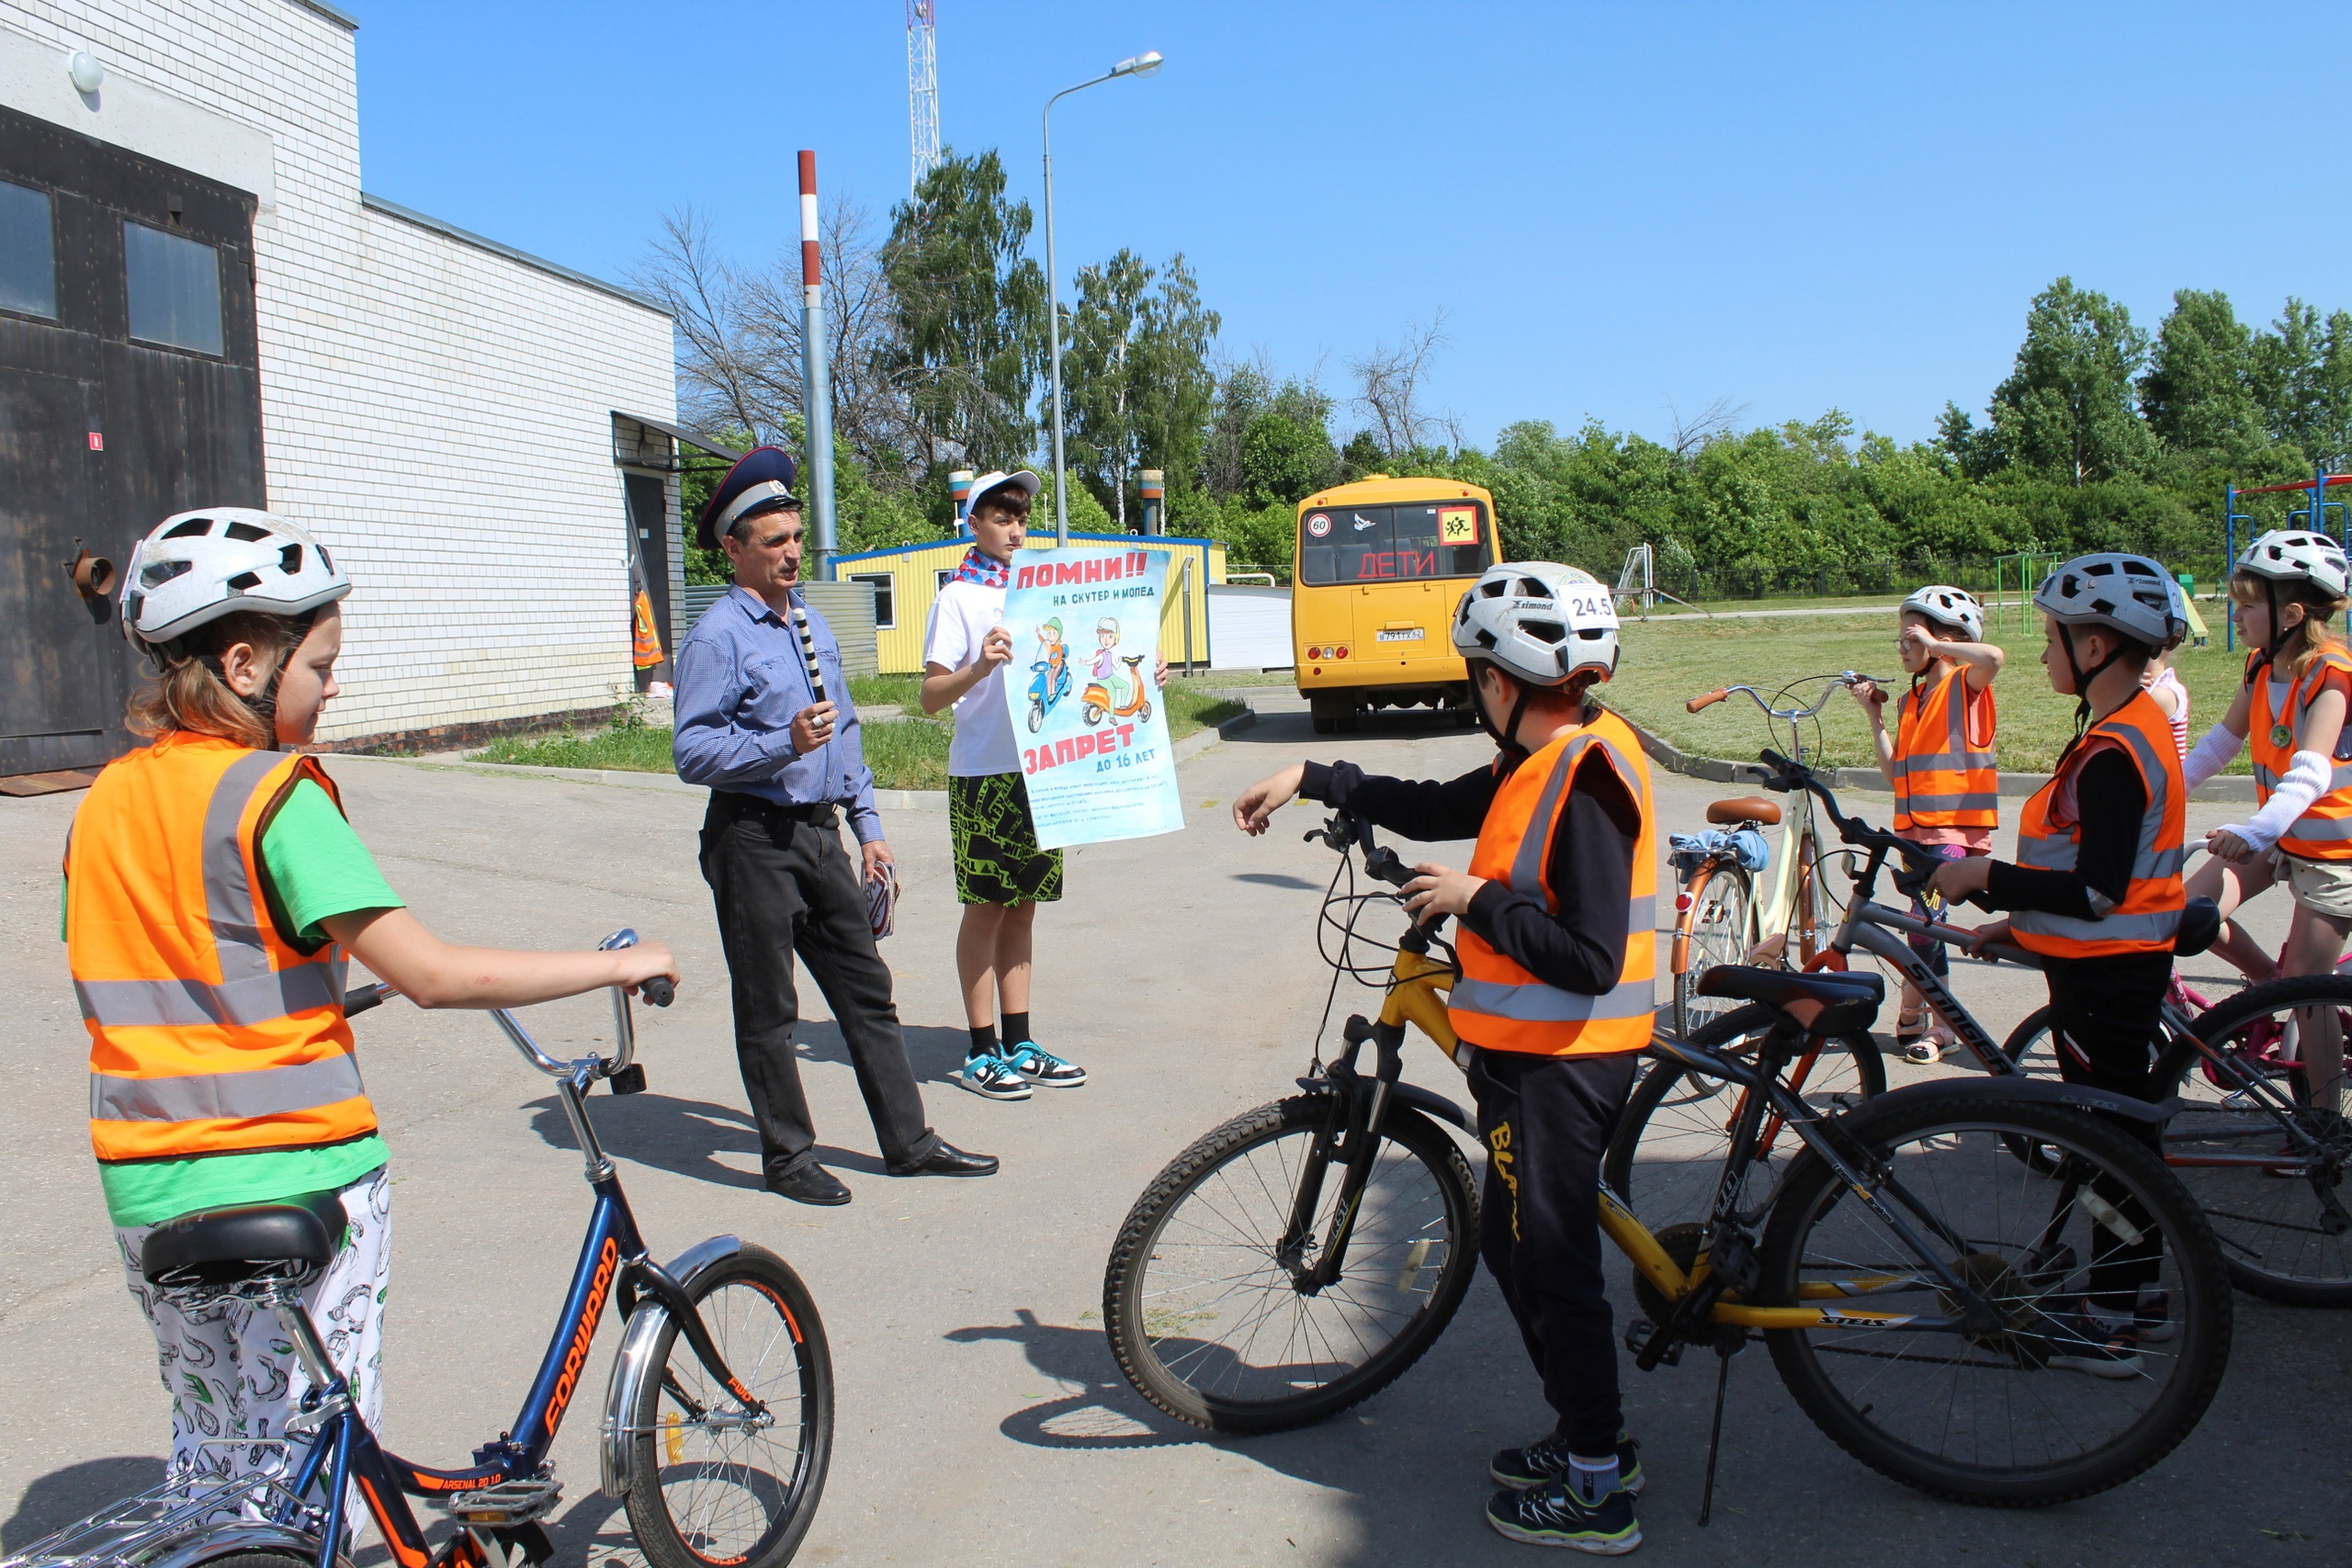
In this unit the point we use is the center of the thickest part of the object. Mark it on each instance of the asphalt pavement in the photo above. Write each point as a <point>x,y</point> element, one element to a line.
<point>981,1419</point>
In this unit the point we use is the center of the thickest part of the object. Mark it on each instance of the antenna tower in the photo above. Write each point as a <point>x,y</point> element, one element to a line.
<point>922,90</point>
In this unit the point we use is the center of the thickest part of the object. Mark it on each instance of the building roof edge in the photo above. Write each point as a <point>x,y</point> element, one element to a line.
<point>340,18</point>
<point>374,203</point>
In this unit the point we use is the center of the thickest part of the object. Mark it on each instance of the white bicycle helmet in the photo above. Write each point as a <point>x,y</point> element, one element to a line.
<point>2130,594</point>
<point>2290,554</point>
<point>1953,607</point>
<point>1540,621</point>
<point>197,566</point>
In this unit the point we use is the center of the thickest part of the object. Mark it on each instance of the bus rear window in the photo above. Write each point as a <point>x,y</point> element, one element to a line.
<point>1389,543</point>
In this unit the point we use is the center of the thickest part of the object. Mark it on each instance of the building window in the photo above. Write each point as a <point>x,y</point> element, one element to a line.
<point>174,289</point>
<point>939,579</point>
<point>886,599</point>
<point>27,257</point>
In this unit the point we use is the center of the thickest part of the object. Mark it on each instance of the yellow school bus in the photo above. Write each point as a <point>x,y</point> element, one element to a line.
<point>1381,565</point>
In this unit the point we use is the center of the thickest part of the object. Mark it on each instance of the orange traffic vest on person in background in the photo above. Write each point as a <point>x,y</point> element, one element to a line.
<point>2324,830</point>
<point>2149,915</point>
<point>210,1032</point>
<point>1501,1006</point>
<point>1944,770</point>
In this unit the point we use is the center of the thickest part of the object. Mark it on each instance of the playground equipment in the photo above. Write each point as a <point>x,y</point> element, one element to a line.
<point>2312,516</point>
<point>1637,580</point>
<point>2030,567</point>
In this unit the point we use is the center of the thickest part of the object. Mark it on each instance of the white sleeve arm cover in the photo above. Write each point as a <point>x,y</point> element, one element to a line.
<point>2210,755</point>
<point>2307,779</point>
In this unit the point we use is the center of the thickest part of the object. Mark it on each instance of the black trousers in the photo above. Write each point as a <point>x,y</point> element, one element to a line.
<point>1546,1122</point>
<point>783,884</point>
<point>2105,1020</point>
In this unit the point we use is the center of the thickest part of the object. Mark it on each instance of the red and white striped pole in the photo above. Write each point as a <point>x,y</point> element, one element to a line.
<point>816,395</point>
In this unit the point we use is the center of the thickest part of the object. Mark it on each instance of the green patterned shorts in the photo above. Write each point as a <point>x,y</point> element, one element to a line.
<point>997,857</point>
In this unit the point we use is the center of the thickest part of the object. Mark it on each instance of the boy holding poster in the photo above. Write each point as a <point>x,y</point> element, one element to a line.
<point>1002,873</point>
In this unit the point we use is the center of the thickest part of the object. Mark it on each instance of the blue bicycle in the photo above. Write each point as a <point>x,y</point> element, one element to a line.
<point>718,1417</point>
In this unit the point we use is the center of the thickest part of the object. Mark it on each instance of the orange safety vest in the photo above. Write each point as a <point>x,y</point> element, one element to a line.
<point>2150,913</point>
<point>210,1032</point>
<point>645,643</point>
<point>1944,774</point>
<point>2324,830</point>
<point>1501,1006</point>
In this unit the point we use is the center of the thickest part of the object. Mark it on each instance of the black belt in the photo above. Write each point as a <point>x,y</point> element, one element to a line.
<point>730,805</point>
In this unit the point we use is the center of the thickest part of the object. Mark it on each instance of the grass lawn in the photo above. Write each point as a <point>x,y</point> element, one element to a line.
<point>905,753</point>
<point>1664,664</point>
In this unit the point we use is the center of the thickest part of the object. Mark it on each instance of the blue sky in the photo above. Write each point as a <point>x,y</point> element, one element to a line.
<point>1623,210</point>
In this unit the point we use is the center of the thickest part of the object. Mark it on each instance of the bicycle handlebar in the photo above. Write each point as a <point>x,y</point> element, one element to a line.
<point>657,992</point>
<point>1843,678</point>
<point>1346,830</point>
<point>1708,701</point>
<point>1788,775</point>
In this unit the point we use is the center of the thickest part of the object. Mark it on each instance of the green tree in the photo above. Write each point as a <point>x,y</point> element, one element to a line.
<point>2066,411</point>
<point>1136,376</point>
<point>969,312</point>
<point>2198,396</point>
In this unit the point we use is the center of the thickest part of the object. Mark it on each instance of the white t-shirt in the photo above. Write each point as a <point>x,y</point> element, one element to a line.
<point>960,620</point>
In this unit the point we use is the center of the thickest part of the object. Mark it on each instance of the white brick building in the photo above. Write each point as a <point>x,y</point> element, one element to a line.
<point>439,408</point>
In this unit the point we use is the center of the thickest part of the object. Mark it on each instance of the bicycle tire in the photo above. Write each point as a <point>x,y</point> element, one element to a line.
<point>762,1288</point>
<point>1701,949</point>
<point>1136,1339</point>
<point>2192,1362</point>
<point>2231,1199</point>
<point>1663,1084</point>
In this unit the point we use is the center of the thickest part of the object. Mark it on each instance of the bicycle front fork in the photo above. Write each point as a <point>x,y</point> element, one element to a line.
<point>1352,1136</point>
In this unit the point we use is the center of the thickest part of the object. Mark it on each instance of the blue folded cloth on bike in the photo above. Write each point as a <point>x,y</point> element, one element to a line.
<point>1691,851</point>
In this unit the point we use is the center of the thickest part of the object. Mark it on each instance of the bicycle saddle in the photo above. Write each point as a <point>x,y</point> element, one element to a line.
<point>223,1247</point>
<point>1825,1001</point>
<point>2200,924</point>
<point>1747,808</point>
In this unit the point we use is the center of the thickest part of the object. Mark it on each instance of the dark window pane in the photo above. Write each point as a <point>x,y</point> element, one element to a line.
<point>1384,544</point>
<point>174,289</point>
<point>886,603</point>
<point>28,258</point>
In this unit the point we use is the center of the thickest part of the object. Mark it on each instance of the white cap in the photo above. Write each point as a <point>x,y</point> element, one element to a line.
<point>1020,479</point>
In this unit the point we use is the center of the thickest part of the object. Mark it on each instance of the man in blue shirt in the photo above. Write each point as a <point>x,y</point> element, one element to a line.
<point>783,766</point>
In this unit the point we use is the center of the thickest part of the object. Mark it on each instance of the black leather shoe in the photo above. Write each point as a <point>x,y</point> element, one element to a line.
<point>948,1160</point>
<point>812,1183</point>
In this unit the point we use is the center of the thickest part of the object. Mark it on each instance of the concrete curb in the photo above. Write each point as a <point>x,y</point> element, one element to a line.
<point>1186,748</point>
<point>1717,770</point>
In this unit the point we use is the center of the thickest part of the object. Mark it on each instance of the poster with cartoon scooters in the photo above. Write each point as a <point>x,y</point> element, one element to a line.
<point>1093,734</point>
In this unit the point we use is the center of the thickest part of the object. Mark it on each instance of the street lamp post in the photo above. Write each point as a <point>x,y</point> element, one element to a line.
<point>1143,64</point>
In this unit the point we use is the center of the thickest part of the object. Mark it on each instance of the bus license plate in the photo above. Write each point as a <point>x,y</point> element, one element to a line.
<point>1411,634</point>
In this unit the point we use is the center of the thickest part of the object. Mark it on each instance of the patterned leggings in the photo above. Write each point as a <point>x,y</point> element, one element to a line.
<point>228,1368</point>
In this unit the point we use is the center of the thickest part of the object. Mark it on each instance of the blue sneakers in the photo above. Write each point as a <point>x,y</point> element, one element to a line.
<point>1040,1066</point>
<point>992,1077</point>
<point>1551,1515</point>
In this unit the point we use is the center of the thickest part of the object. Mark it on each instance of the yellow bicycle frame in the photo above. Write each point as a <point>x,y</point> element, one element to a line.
<point>1415,983</point>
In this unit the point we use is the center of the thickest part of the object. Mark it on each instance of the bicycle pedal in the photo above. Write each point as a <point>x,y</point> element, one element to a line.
<point>509,1503</point>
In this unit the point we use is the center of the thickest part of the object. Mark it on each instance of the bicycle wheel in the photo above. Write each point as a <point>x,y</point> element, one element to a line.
<point>1667,1151</point>
<point>2030,1408</point>
<point>711,1486</point>
<point>2265,1165</point>
<point>1207,1320</point>
<point>1714,931</point>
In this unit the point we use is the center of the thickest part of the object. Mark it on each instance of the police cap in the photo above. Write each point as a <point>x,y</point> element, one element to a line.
<point>760,481</point>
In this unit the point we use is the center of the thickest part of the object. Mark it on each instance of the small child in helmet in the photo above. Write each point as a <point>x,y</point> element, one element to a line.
<point>2096,893</point>
<point>1551,1073</point>
<point>1940,761</point>
<point>2285,590</point>
<point>212,891</point>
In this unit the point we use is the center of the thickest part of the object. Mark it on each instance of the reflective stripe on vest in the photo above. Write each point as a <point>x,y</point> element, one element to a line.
<point>210,1033</point>
<point>2149,915</point>
<point>2324,830</point>
<point>1941,778</point>
<point>1501,1006</point>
